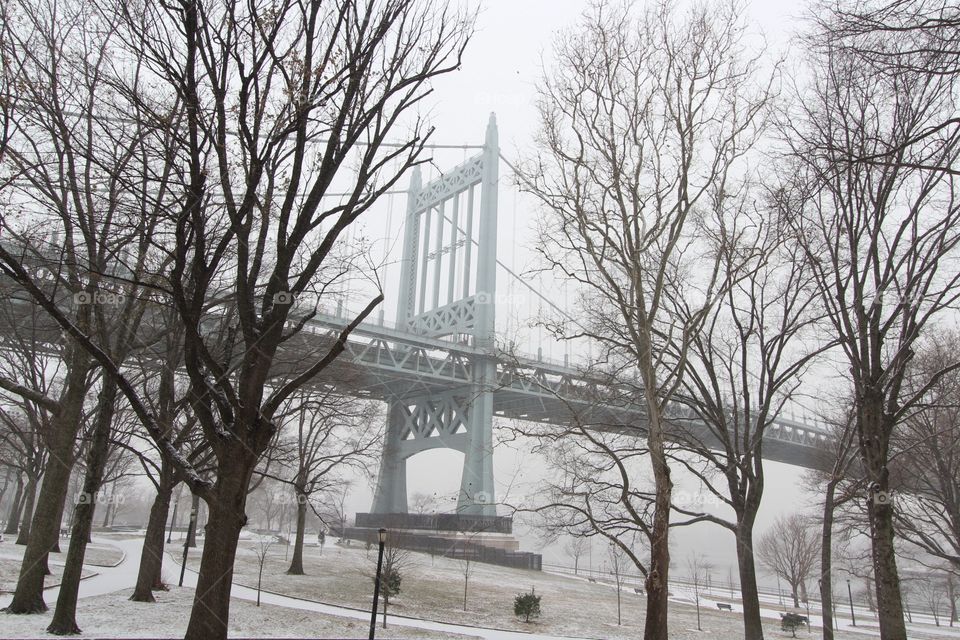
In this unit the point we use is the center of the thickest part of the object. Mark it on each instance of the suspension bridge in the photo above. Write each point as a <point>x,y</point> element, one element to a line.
<point>438,368</point>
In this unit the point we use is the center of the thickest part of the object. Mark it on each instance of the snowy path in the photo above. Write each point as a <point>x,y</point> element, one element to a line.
<point>106,580</point>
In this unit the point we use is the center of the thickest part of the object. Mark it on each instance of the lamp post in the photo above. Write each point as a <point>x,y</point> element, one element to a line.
<point>191,528</point>
<point>382,533</point>
<point>853,616</point>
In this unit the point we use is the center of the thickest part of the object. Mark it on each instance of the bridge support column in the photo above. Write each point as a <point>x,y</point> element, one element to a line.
<point>476,485</point>
<point>391,492</point>
<point>446,294</point>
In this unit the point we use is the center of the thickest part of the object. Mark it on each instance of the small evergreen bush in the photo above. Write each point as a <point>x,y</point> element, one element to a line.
<point>527,605</point>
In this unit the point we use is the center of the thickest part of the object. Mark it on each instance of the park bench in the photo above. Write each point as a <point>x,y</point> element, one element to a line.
<point>638,591</point>
<point>592,579</point>
<point>723,606</point>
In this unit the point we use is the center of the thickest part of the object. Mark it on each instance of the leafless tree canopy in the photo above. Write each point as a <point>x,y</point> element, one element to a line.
<point>189,152</point>
<point>927,450</point>
<point>646,121</point>
<point>790,548</point>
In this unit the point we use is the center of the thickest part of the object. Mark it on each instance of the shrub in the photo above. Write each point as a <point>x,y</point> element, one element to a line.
<point>390,583</point>
<point>526,605</point>
<point>791,622</point>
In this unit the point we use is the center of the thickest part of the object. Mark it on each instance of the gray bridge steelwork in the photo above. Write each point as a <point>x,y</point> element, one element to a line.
<point>439,371</point>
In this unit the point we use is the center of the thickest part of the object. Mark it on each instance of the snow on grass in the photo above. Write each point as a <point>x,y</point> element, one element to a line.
<point>115,616</point>
<point>10,571</point>
<point>433,589</point>
<point>98,555</point>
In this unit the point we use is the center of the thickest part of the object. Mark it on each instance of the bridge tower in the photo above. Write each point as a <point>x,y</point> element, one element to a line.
<point>448,291</point>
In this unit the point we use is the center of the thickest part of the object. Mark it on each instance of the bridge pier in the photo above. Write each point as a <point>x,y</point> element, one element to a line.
<point>391,492</point>
<point>476,485</point>
<point>447,292</point>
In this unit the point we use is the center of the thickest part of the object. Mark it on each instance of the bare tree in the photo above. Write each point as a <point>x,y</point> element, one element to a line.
<point>77,173</point>
<point>916,36</point>
<point>837,479</point>
<point>397,561</point>
<point>422,503</point>
<point>576,546</point>
<point>790,548</point>
<point>618,567</point>
<point>25,425</point>
<point>261,550</point>
<point>22,431</point>
<point>742,370</point>
<point>933,591</point>
<point>927,450</point>
<point>166,393</point>
<point>466,568</point>
<point>278,104</point>
<point>698,568</point>
<point>878,221</point>
<point>331,508</point>
<point>326,434</point>
<point>643,121</point>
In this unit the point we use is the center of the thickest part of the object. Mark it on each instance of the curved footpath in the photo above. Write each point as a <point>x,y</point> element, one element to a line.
<point>124,576</point>
<point>107,578</point>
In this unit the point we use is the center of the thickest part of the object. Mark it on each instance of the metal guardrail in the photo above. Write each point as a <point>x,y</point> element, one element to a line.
<point>448,522</point>
<point>462,549</point>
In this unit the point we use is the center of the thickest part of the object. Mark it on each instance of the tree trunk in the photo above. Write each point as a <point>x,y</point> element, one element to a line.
<point>296,565</point>
<point>173,519</point>
<point>6,483</point>
<point>195,510</point>
<point>619,618</point>
<point>16,506</point>
<point>466,580</point>
<point>873,443</point>
<point>826,562</point>
<point>952,596</point>
<point>794,588</point>
<point>151,557</point>
<point>61,509</point>
<point>65,615</point>
<point>45,531</point>
<point>30,498</point>
<point>108,512</point>
<point>655,626</point>
<point>211,604</point>
<point>747,569</point>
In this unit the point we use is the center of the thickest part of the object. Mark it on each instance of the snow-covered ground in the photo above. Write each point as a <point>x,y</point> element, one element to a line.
<point>572,606</point>
<point>332,600</point>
